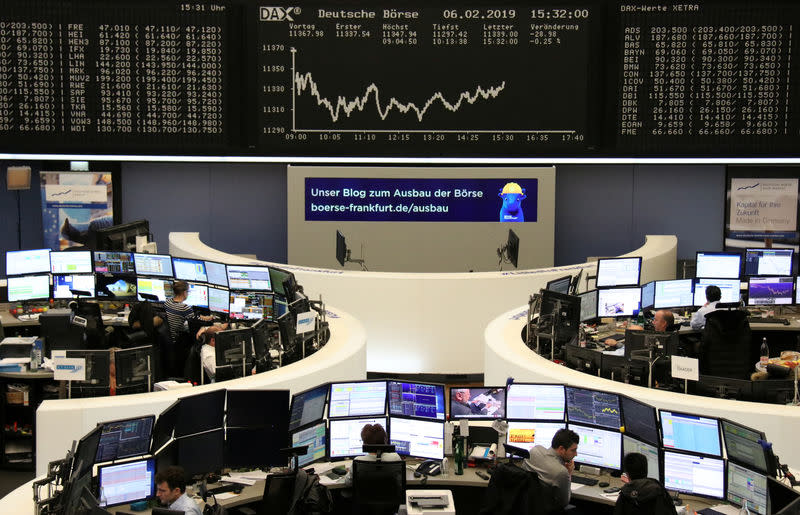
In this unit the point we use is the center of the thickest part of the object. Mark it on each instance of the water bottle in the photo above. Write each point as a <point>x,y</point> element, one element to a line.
<point>103,500</point>
<point>34,365</point>
<point>37,347</point>
<point>764,352</point>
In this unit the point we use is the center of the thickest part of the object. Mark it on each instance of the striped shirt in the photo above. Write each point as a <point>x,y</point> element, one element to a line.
<point>177,315</point>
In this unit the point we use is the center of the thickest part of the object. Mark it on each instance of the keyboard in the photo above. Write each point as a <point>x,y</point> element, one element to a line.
<point>760,320</point>
<point>585,480</point>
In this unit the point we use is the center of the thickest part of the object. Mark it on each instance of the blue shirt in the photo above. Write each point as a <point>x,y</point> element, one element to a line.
<point>186,504</point>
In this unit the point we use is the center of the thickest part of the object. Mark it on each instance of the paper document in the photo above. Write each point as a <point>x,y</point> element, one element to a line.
<point>19,340</point>
<point>14,361</point>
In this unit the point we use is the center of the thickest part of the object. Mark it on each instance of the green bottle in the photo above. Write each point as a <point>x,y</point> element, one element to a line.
<point>458,455</point>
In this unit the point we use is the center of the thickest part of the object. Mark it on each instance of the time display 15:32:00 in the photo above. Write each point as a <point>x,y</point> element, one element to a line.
<point>508,14</point>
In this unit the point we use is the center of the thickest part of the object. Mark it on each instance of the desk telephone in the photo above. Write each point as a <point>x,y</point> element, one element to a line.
<point>429,468</point>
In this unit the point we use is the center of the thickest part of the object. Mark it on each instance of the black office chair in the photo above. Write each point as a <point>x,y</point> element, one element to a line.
<point>278,493</point>
<point>95,329</point>
<point>726,346</point>
<point>379,487</point>
<point>513,490</point>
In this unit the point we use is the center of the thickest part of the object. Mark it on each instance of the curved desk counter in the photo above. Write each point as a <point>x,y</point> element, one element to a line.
<point>507,356</point>
<point>415,320</point>
<point>59,422</point>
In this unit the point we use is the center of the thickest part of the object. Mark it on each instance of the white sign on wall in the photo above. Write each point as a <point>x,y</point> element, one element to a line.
<point>763,205</point>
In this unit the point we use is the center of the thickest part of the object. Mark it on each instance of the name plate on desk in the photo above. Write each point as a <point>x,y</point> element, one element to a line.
<point>685,368</point>
<point>306,322</point>
<point>69,369</point>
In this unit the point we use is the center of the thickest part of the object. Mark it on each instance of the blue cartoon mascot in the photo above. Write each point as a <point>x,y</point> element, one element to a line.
<point>512,196</point>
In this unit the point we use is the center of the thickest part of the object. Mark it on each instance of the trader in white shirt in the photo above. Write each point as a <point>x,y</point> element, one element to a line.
<point>713,294</point>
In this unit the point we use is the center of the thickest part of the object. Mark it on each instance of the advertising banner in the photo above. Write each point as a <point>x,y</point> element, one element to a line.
<point>74,206</point>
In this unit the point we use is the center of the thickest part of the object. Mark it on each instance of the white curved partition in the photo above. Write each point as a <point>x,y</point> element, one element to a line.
<point>507,356</point>
<point>430,323</point>
<point>59,422</point>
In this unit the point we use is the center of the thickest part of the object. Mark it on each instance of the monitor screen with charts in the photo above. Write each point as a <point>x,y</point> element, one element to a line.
<point>217,273</point>
<point>650,452</point>
<point>158,265</point>
<point>769,291</point>
<point>219,300</point>
<point>125,438</point>
<point>417,438</point>
<point>774,262</point>
<point>598,447</point>
<point>593,407</point>
<point>316,438</point>
<point>648,295</point>
<point>588,305</point>
<point>71,262</point>
<point>345,436</point>
<point>723,265</point>
<point>743,446</point>
<point>694,474</point>
<point>482,402</point>
<point>527,434</point>
<point>673,294</point>
<point>125,483</point>
<point>251,305</point>
<point>190,270</point>
<point>22,262</point>
<point>687,432</point>
<point>357,399</point>
<point>416,400</point>
<point>535,401</point>
<point>63,284</point>
<point>560,285</point>
<point>113,263</point>
<point>728,288</point>
<point>28,287</point>
<point>308,407</point>
<point>747,485</point>
<point>197,295</point>
<point>618,271</point>
<point>161,288</point>
<point>640,420</point>
<point>618,302</point>
<point>242,277</point>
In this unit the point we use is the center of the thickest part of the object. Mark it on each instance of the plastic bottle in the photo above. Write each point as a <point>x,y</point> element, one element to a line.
<point>127,310</point>
<point>764,352</point>
<point>37,349</point>
<point>458,455</point>
<point>34,365</point>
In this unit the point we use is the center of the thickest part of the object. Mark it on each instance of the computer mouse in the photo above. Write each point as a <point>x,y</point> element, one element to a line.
<point>339,470</point>
<point>602,484</point>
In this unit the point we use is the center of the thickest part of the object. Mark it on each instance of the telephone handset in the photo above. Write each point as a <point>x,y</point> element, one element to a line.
<point>430,468</point>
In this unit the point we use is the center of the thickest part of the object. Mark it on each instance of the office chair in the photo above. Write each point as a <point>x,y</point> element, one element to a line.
<point>513,490</point>
<point>95,329</point>
<point>379,487</point>
<point>278,493</point>
<point>725,349</point>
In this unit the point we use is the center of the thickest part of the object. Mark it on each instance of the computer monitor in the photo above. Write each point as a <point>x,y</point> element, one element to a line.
<point>200,413</point>
<point>649,295</point>
<point>560,285</point>
<point>233,348</point>
<point>512,247</point>
<point>24,262</point>
<point>614,272</point>
<point>97,366</point>
<point>122,236</point>
<point>127,482</point>
<point>598,447</point>
<point>743,446</point>
<point>561,311</point>
<point>251,305</point>
<point>771,262</point>
<point>277,277</point>
<point>164,427</point>
<point>114,263</point>
<point>273,407</point>
<point>85,452</point>
<point>768,291</point>
<point>308,407</point>
<point>726,387</point>
<point>28,287</point>
<point>588,305</point>
<point>593,407</point>
<point>694,474</point>
<point>527,434</point>
<point>256,446</point>
<point>782,498</point>
<point>745,485</point>
<point>157,265</point>
<point>201,453</point>
<point>618,302</point>
<point>526,401</point>
<point>640,420</point>
<point>161,288</point>
<point>341,248</point>
<point>64,284</point>
<point>114,287</point>
<point>134,366</point>
<point>190,269</point>
<point>279,307</point>
<point>477,402</point>
<point>418,400</point>
<point>71,262</point>
<point>219,300</point>
<point>247,277</point>
<point>315,436</point>
<point>650,452</point>
<point>197,295</point>
<point>357,399</point>
<point>583,358</point>
<point>287,329</point>
<point>722,265</point>
<point>688,432</point>
<point>417,438</point>
<point>262,340</point>
<point>125,438</point>
<point>344,439</point>
<point>639,343</point>
<point>217,273</point>
<point>729,289</point>
<point>676,293</point>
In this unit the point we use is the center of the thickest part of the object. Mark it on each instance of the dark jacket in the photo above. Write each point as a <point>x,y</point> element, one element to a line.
<point>644,496</point>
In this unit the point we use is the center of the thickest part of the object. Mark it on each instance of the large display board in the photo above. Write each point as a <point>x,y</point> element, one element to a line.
<point>352,78</point>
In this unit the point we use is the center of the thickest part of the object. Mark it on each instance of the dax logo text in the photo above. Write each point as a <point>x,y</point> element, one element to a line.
<point>278,13</point>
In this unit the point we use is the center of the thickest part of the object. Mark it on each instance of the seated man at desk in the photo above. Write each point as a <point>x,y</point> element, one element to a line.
<point>208,352</point>
<point>171,491</point>
<point>641,494</point>
<point>663,321</point>
<point>713,295</point>
<point>372,434</point>
<point>555,466</point>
